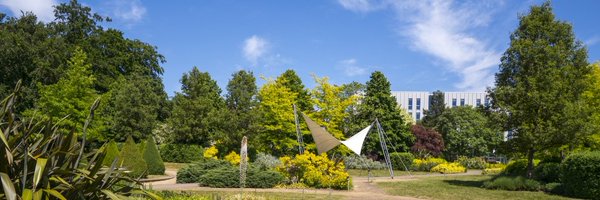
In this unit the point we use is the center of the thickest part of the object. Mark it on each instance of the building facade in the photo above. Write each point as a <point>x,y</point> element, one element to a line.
<point>415,103</point>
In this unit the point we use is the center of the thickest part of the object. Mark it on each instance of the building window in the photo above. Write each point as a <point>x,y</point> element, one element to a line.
<point>454,102</point>
<point>418,103</point>
<point>487,102</point>
<point>478,102</point>
<point>418,116</point>
<point>462,102</point>
<point>410,104</point>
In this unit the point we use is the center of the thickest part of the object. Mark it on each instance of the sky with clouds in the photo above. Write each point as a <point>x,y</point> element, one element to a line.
<point>420,45</point>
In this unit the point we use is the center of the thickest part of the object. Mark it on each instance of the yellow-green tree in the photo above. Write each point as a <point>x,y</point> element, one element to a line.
<point>278,135</point>
<point>592,99</point>
<point>331,107</point>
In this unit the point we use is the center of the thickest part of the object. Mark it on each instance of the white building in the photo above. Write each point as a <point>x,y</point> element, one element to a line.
<point>417,102</point>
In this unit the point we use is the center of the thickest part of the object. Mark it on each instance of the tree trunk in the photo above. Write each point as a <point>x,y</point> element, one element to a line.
<point>530,163</point>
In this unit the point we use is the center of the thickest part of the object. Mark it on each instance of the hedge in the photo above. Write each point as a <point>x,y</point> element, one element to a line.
<point>153,159</point>
<point>580,175</point>
<point>132,159</point>
<point>518,167</point>
<point>547,172</point>
<point>222,174</point>
<point>472,163</point>
<point>181,153</point>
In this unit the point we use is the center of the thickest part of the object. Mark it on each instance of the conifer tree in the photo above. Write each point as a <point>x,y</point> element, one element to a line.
<point>153,159</point>
<point>132,159</point>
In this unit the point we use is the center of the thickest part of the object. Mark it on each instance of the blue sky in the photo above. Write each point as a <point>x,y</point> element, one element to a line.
<point>419,45</point>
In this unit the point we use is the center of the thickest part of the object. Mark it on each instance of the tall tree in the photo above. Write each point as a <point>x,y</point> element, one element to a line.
<point>378,103</point>
<point>198,110</point>
<point>592,100</point>
<point>278,135</point>
<point>436,108</point>
<point>291,80</point>
<point>331,107</point>
<point>540,84</point>
<point>466,132</point>
<point>242,102</point>
<point>133,107</point>
<point>71,96</point>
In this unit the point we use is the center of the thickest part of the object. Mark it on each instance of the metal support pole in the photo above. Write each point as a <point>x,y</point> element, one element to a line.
<point>383,144</point>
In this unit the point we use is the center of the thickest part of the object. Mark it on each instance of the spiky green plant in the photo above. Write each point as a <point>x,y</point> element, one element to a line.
<point>38,162</point>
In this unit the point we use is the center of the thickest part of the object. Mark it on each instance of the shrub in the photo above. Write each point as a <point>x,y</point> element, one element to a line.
<point>153,159</point>
<point>315,171</point>
<point>362,162</point>
<point>449,168</point>
<point>426,164</point>
<point>112,151</point>
<point>211,153</point>
<point>547,172</point>
<point>224,177</point>
<point>581,175</point>
<point>266,161</point>
<point>402,160</point>
<point>261,178</point>
<point>491,171</point>
<point>192,172</point>
<point>554,188</point>
<point>181,153</point>
<point>132,159</point>
<point>518,167</point>
<point>233,158</point>
<point>513,183</point>
<point>141,146</point>
<point>472,163</point>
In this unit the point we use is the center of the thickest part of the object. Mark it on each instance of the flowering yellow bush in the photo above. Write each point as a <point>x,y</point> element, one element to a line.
<point>211,153</point>
<point>449,168</point>
<point>426,164</point>
<point>315,171</point>
<point>233,158</point>
<point>491,169</point>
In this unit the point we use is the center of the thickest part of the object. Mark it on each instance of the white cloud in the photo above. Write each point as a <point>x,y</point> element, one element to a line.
<point>127,10</point>
<point>43,9</point>
<point>351,67</point>
<point>360,5</point>
<point>255,48</point>
<point>592,41</point>
<point>445,30</point>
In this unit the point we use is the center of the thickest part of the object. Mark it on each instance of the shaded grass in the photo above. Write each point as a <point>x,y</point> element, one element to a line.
<point>382,172</point>
<point>457,187</point>
<point>247,194</point>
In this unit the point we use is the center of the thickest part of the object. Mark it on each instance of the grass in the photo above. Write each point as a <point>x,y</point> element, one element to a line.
<point>175,166</point>
<point>382,172</point>
<point>457,187</point>
<point>248,194</point>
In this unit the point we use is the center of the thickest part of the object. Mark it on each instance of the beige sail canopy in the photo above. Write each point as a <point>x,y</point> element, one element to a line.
<point>355,142</point>
<point>323,139</point>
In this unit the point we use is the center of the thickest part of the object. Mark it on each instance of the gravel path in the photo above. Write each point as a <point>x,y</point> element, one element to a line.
<point>364,188</point>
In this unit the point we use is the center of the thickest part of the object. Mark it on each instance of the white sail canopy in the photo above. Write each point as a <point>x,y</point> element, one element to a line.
<point>355,142</point>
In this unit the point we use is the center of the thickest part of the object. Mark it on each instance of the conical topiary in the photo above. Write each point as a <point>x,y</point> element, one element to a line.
<point>132,159</point>
<point>142,146</point>
<point>153,159</point>
<point>112,151</point>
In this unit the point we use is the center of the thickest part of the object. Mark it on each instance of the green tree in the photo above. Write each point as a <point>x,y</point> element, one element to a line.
<point>242,103</point>
<point>351,122</point>
<point>466,132</point>
<point>133,107</point>
<point>378,103</point>
<point>71,96</point>
<point>331,107</point>
<point>540,84</point>
<point>112,151</point>
<point>436,108</point>
<point>291,80</point>
<point>198,110</point>
<point>278,135</point>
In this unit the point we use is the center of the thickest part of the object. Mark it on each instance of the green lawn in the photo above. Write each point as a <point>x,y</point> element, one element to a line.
<point>248,194</point>
<point>382,172</point>
<point>456,187</point>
